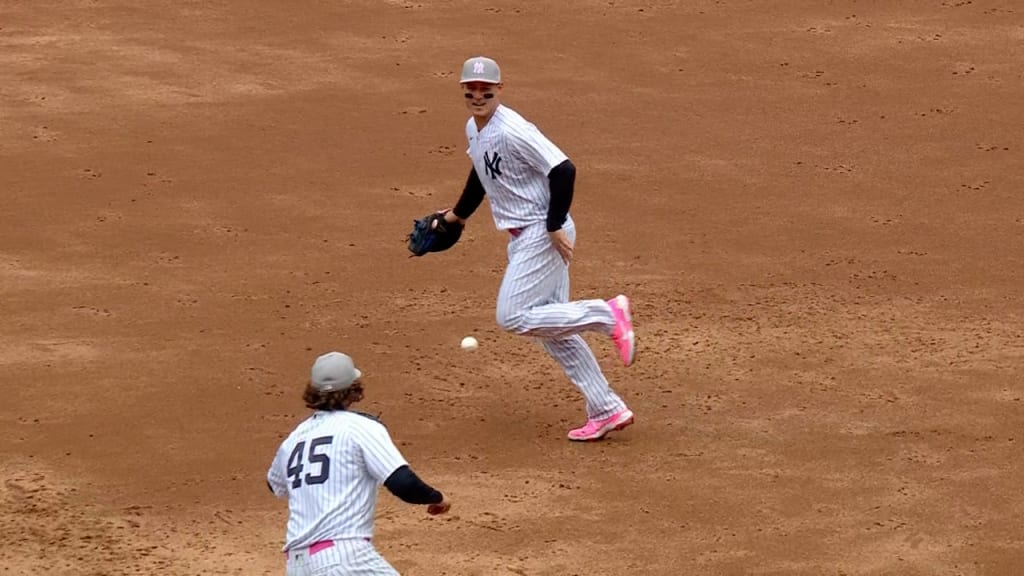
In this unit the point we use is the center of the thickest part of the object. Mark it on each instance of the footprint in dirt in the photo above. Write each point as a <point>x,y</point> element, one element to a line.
<point>91,310</point>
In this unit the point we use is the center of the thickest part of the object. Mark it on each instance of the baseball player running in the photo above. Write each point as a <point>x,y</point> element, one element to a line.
<point>330,468</point>
<point>529,183</point>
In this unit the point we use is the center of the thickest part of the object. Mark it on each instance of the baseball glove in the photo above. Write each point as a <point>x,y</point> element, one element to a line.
<point>432,234</point>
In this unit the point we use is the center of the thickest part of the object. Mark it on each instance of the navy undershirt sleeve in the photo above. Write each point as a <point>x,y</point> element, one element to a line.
<point>472,196</point>
<point>405,484</point>
<point>562,180</point>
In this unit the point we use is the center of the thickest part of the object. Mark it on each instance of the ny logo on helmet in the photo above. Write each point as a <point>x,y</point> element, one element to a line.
<point>478,68</point>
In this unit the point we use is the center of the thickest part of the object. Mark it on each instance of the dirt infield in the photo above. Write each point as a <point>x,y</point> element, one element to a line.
<point>816,207</point>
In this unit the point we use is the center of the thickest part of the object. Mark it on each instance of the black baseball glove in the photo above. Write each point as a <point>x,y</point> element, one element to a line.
<point>432,234</point>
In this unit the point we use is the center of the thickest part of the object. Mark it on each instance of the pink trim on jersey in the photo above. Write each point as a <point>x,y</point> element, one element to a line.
<point>317,547</point>
<point>320,546</point>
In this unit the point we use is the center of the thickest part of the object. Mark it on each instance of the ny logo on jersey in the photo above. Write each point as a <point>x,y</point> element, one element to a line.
<point>492,165</point>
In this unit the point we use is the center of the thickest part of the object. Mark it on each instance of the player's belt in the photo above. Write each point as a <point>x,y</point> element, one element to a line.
<point>320,546</point>
<point>515,232</point>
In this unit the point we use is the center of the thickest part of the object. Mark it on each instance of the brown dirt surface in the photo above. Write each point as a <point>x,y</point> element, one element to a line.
<point>816,207</point>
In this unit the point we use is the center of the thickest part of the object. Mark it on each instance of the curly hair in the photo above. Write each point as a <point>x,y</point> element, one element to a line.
<point>334,400</point>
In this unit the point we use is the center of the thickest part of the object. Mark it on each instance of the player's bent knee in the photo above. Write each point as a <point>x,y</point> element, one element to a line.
<point>510,321</point>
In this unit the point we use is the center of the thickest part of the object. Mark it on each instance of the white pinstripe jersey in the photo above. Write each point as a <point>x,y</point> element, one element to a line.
<point>330,469</point>
<point>512,158</point>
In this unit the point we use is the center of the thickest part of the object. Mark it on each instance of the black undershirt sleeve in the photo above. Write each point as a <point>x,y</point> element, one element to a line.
<point>472,196</point>
<point>563,180</point>
<point>405,484</point>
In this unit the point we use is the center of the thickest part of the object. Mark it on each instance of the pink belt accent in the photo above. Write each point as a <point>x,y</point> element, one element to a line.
<point>317,547</point>
<point>320,546</point>
<point>515,232</point>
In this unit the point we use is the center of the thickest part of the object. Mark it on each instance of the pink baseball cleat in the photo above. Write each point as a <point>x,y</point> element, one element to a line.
<point>625,339</point>
<point>596,429</point>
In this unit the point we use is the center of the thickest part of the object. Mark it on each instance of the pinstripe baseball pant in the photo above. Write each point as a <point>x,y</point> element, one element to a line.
<point>534,301</point>
<point>349,557</point>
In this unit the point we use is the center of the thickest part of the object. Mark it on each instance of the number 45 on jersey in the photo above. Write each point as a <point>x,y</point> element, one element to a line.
<point>322,462</point>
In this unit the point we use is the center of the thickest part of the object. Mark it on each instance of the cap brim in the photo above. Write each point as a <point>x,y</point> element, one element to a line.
<point>484,80</point>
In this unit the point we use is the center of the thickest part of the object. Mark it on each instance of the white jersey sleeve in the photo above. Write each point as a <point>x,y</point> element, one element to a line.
<point>380,454</point>
<point>471,133</point>
<point>529,143</point>
<point>275,476</point>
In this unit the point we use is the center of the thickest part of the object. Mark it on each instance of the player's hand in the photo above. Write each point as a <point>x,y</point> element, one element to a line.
<point>450,217</point>
<point>562,243</point>
<point>440,508</point>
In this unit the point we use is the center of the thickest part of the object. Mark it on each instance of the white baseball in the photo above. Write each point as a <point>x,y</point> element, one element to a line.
<point>469,343</point>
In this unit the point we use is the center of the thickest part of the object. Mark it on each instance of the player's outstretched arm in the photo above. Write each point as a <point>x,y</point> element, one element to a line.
<point>439,231</point>
<point>472,195</point>
<point>406,485</point>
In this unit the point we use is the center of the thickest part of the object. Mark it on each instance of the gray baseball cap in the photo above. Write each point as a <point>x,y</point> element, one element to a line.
<point>333,371</point>
<point>480,69</point>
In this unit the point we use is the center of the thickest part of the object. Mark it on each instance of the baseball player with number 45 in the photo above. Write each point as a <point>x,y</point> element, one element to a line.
<point>529,183</point>
<point>330,468</point>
